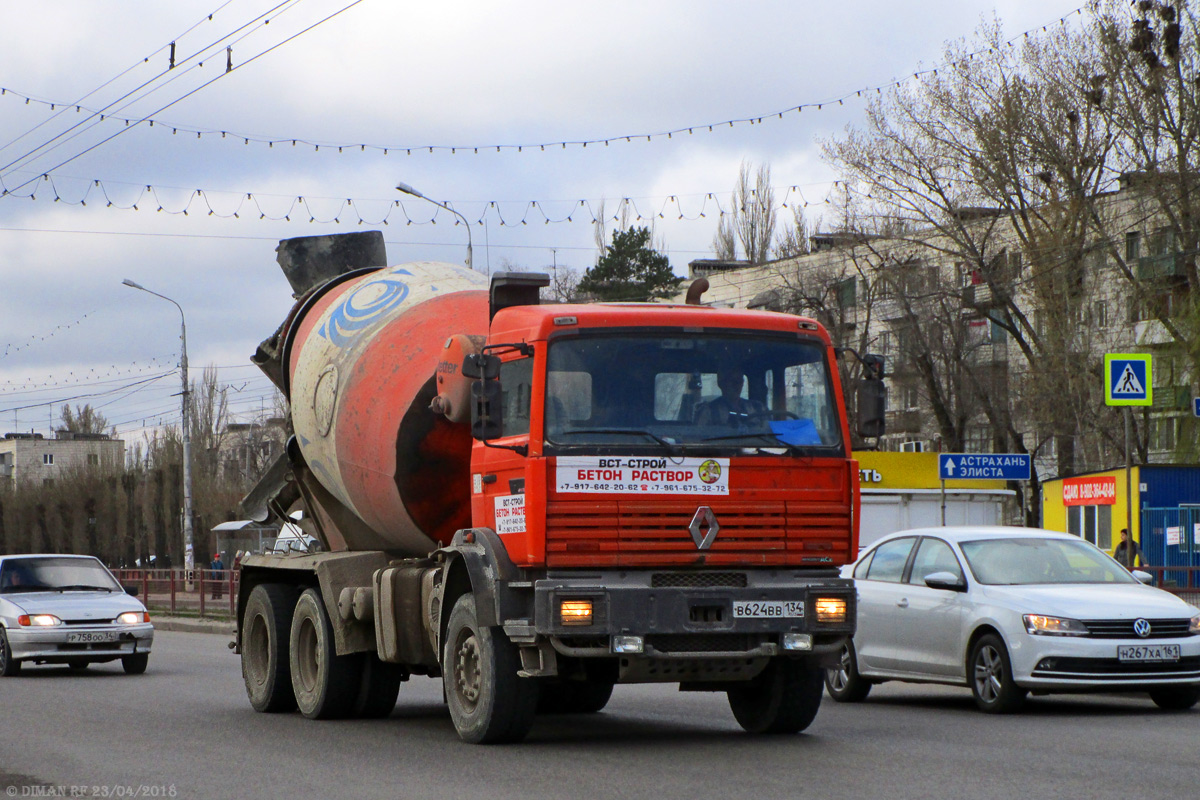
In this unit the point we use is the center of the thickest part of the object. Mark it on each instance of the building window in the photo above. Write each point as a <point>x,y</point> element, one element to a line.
<point>910,396</point>
<point>1100,314</point>
<point>1162,433</point>
<point>978,439</point>
<point>93,459</point>
<point>845,292</point>
<point>1133,246</point>
<point>48,459</point>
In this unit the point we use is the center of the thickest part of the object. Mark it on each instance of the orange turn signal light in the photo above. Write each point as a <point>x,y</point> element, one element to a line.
<point>575,612</point>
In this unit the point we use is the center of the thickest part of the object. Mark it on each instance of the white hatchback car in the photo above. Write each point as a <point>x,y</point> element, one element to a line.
<point>1007,611</point>
<point>66,609</point>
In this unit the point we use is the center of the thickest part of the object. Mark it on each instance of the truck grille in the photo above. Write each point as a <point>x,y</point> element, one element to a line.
<point>640,533</point>
<point>698,580</point>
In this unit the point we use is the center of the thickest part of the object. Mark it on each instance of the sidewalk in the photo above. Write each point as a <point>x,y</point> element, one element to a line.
<point>165,622</point>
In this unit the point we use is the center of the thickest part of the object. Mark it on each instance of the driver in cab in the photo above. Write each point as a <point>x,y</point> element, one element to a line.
<point>730,408</point>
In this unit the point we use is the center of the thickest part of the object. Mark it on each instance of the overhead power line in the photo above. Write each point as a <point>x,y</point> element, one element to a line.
<point>557,144</point>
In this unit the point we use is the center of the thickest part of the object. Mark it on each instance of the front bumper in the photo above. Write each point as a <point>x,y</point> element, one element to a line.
<point>1054,663</point>
<point>683,615</point>
<point>60,643</point>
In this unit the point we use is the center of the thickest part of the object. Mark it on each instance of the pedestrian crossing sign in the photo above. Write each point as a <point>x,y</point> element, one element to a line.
<point>1127,379</point>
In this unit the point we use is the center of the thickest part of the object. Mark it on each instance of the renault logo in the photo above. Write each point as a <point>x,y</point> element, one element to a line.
<point>704,527</point>
<point>1140,626</point>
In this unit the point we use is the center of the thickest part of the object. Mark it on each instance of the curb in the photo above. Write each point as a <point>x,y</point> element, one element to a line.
<point>190,625</point>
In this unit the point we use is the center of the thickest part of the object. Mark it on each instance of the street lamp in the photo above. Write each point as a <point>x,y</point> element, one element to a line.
<point>189,555</point>
<point>404,187</point>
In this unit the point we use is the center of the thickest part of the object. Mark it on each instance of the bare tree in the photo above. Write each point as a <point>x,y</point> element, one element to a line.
<point>83,419</point>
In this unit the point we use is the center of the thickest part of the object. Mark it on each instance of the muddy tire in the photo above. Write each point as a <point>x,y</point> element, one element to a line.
<point>266,627</point>
<point>9,666</point>
<point>325,684</point>
<point>489,703</point>
<point>784,698</point>
<point>379,688</point>
<point>573,697</point>
<point>843,682</point>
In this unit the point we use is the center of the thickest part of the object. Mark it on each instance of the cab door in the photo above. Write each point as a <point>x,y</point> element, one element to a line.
<point>498,471</point>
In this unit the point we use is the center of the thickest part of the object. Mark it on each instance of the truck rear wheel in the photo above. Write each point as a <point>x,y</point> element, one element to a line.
<point>379,688</point>
<point>489,703</point>
<point>265,630</point>
<point>784,698</point>
<point>573,697</point>
<point>326,684</point>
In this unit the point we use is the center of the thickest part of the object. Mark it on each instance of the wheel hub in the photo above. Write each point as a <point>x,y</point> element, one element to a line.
<point>467,674</point>
<point>988,674</point>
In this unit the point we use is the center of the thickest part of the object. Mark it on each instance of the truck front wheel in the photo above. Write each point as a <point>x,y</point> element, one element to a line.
<point>265,626</point>
<point>489,703</point>
<point>784,698</point>
<point>326,684</point>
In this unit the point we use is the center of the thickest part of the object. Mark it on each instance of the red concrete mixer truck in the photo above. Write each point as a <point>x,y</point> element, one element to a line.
<point>533,503</point>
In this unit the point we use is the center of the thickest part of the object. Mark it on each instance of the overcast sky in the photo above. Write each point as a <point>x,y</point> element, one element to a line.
<point>394,75</point>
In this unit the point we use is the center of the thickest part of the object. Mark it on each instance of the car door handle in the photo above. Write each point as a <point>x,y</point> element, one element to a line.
<point>903,603</point>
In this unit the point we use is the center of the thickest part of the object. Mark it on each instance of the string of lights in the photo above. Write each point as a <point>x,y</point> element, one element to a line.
<point>326,210</point>
<point>16,348</point>
<point>87,395</point>
<point>229,68</point>
<point>604,141</point>
<point>97,376</point>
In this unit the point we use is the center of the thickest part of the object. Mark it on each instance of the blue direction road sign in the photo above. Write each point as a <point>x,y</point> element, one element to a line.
<point>989,466</point>
<point>1196,406</point>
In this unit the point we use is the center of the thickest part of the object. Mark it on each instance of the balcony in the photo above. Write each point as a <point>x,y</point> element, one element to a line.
<point>1166,265</point>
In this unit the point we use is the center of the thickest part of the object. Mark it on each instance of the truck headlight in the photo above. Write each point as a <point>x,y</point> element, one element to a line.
<point>831,609</point>
<point>1042,625</point>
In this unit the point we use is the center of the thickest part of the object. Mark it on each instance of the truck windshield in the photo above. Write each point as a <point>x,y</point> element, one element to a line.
<point>705,390</point>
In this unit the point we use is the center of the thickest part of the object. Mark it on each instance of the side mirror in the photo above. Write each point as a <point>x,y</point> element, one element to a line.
<point>132,591</point>
<point>1143,577</point>
<point>945,580</point>
<point>481,366</point>
<point>486,409</point>
<point>872,408</point>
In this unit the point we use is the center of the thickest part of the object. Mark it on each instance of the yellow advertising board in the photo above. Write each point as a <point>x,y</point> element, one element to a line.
<point>899,471</point>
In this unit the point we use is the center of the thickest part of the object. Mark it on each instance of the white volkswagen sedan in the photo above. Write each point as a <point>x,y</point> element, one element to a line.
<point>1008,611</point>
<point>61,609</point>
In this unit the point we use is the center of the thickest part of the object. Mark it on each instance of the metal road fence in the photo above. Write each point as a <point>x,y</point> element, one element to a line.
<point>210,593</point>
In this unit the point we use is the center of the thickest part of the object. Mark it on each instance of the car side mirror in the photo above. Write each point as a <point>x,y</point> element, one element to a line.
<point>1143,577</point>
<point>945,580</point>
<point>132,591</point>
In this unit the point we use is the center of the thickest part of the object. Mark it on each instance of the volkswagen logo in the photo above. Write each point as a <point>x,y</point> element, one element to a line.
<point>704,527</point>
<point>1141,627</point>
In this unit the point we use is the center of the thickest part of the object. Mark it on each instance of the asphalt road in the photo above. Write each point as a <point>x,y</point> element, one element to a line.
<point>185,729</point>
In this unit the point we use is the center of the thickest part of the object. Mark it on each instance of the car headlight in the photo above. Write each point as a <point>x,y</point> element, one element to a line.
<point>1194,625</point>
<point>38,620</point>
<point>1042,625</point>
<point>133,618</point>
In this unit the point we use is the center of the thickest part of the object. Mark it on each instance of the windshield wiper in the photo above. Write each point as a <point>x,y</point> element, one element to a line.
<point>83,587</point>
<point>672,449</point>
<point>772,439</point>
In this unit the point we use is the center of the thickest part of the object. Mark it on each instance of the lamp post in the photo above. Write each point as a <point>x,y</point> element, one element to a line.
<point>189,554</point>
<point>404,187</point>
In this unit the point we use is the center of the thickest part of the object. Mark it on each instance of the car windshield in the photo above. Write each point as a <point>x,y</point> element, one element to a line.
<point>1014,562</point>
<point>55,573</point>
<point>667,391</point>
